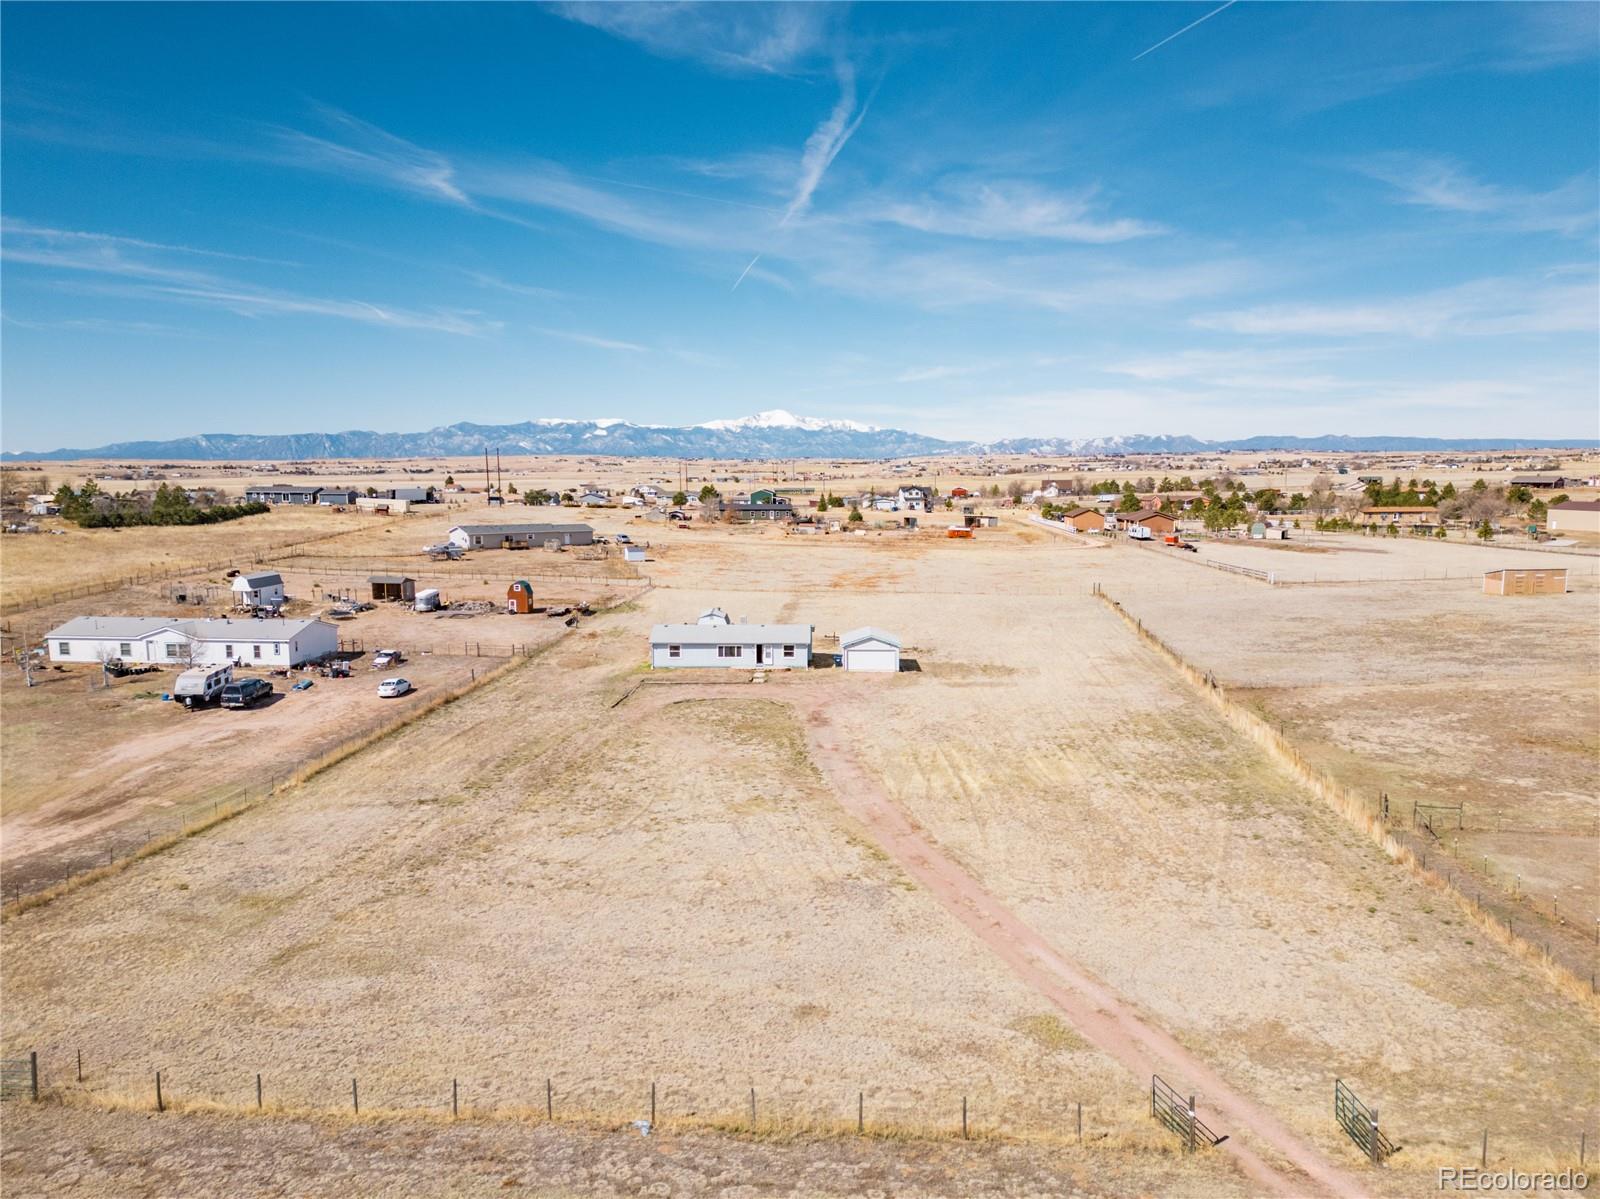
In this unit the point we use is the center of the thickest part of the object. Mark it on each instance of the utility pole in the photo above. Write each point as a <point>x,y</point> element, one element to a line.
<point>488,484</point>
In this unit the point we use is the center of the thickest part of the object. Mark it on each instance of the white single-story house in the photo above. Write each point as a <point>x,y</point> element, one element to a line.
<point>716,643</point>
<point>870,649</point>
<point>180,642</point>
<point>258,589</point>
<point>494,537</point>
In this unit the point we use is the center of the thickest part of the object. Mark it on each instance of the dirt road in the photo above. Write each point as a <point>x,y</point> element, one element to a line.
<point>1094,1009</point>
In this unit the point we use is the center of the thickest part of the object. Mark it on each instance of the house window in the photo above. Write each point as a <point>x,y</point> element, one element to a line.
<point>173,649</point>
<point>788,651</point>
<point>227,652</point>
<point>64,648</point>
<point>674,651</point>
<point>730,651</point>
<point>125,648</point>
<point>256,651</point>
<point>277,649</point>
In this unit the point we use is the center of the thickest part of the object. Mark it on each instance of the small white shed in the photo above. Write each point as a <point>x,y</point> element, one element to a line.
<point>258,589</point>
<point>870,649</point>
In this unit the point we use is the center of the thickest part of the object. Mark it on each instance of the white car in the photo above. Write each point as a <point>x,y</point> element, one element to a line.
<point>386,657</point>
<point>391,688</point>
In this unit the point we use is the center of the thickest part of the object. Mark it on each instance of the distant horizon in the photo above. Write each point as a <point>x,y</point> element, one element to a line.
<point>977,221</point>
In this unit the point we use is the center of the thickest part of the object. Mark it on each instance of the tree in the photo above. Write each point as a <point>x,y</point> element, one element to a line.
<point>679,499</point>
<point>511,489</point>
<point>1485,529</point>
<point>449,480</point>
<point>1479,486</point>
<point>709,493</point>
<point>1130,499</point>
<point>855,514</point>
<point>1537,511</point>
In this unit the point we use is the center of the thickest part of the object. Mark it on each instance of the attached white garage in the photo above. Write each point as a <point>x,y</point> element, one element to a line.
<point>871,650</point>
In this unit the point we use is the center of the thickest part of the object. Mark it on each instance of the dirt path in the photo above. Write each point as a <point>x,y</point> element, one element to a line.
<point>1094,1009</point>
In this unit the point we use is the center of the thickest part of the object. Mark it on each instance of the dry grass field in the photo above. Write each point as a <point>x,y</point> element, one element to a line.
<point>558,876</point>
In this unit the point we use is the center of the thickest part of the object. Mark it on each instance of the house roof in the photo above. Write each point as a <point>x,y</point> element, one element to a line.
<point>391,579</point>
<point>519,530</point>
<point>867,633</point>
<point>132,628</point>
<point>1538,480</point>
<point>257,578</point>
<point>730,634</point>
<point>1081,512</point>
<point>1400,508</point>
<point>1577,506</point>
<point>285,489</point>
<point>1141,515</point>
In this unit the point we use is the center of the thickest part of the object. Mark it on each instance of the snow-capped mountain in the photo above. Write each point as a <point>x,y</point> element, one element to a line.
<point>766,435</point>
<point>778,418</point>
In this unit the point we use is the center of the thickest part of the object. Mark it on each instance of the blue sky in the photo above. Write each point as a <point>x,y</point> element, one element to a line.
<point>975,221</point>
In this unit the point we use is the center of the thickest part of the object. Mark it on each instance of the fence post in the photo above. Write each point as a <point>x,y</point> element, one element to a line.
<point>963,1117</point>
<point>355,1097</point>
<point>160,1106</point>
<point>1080,1123</point>
<point>33,1074</point>
<point>258,1092</point>
<point>752,1108</point>
<point>455,1106</point>
<point>549,1101</point>
<point>652,1105</point>
<point>1191,1123</point>
<point>1483,1153</point>
<point>861,1112</point>
<point>1376,1152</point>
<point>80,1065</point>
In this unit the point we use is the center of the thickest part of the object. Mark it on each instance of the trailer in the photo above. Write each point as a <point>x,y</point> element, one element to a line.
<point>202,686</point>
<point>428,600</point>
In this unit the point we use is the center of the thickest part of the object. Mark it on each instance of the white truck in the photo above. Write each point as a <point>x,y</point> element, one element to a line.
<point>202,686</point>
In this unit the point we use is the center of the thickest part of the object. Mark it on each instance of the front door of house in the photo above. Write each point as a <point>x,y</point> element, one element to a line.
<point>761,654</point>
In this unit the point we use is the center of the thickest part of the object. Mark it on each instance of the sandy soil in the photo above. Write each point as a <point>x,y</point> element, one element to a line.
<point>1310,557</point>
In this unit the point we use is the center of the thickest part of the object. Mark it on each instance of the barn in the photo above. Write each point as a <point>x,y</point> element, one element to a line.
<point>871,650</point>
<point>1574,516</point>
<point>1525,582</point>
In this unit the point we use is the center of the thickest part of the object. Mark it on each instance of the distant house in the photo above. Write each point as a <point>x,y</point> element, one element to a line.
<point>714,642</point>
<point>495,537</point>
<point>1407,516</point>
<point>258,589</point>
<point>1574,516</point>
<point>1540,482</point>
<point>1157,522</point>
<point>412,495</point>
<point>330,497</point>
<point>913,499</point>
<point>593,499</point>
<point>777,508</point>
<point>1086,520</point>
<point>871,650</point>
<point>212,642</point>
<point>281,493</point>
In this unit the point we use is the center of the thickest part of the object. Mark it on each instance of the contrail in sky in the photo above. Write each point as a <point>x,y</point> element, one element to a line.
<point>745,272</point>
<point>1182,31</point>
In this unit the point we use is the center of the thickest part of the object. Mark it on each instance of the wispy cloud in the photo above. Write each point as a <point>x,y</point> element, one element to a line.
<point>1499,306</point>
<point>591,340</point>
<point>1444,185</point>
<point>826,140</point>
<point>362,150</point>
<point>11,226</point>
<point>765,38</point>
<point>138,263</point>
<point>1013,210</point>
<point>495,283</point>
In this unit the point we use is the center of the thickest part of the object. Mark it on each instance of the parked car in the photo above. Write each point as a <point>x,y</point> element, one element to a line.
<point>393,688</point>
<point>387,657</point>
<point>624,539</point>
<point>245,693</point>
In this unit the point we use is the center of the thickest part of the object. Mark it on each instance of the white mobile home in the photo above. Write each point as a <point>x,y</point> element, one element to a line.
<point>258,589</point>
<point>212,642</point>
<point>735,646</point>
<point>494,537</point>
<point>869,649</point>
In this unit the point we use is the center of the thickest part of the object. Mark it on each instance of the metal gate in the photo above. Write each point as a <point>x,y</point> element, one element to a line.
<point>19,1077</point>
<point>1360,1124</point>
<point>1177,1113</point>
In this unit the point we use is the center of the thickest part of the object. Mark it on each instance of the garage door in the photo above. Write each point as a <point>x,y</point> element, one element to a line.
<point>884,660</point>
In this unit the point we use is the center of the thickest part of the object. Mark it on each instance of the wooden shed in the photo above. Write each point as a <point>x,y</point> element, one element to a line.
<point>1550,581</point>
<point>519,596</point>
<point>393,587</point>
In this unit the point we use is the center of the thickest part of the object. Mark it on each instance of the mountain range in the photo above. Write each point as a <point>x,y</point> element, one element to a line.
<point>766,435</point>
